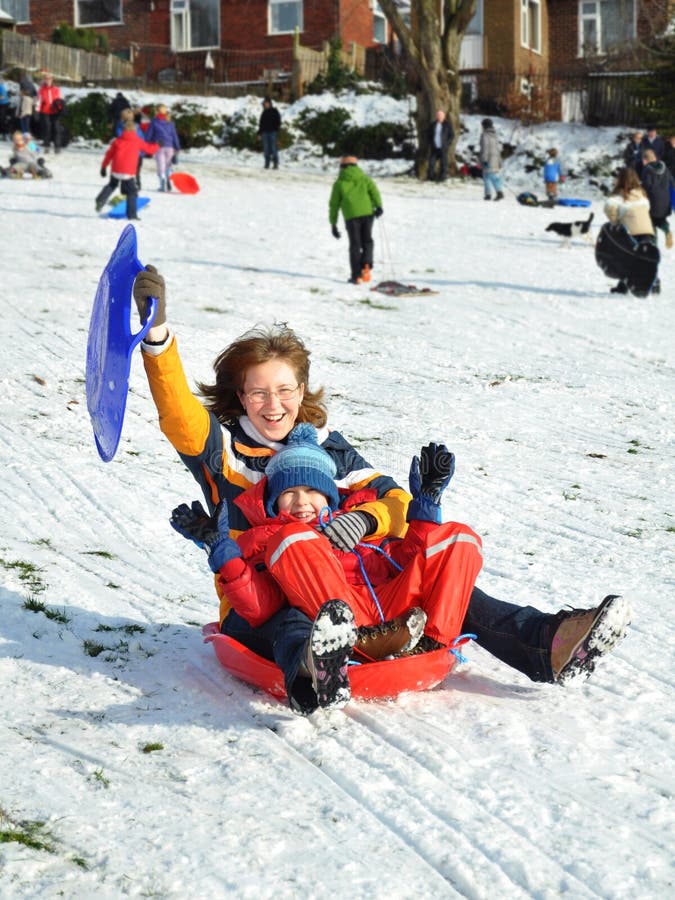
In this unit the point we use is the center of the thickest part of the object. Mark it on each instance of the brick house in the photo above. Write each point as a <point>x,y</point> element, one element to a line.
<point>158,34</point>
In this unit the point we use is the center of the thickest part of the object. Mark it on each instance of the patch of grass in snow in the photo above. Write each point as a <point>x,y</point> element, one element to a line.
<point>104,554</point>
<point>93,648</point>
<point>127,629</point>
<point>368,302</point>
<point>28,833</point>
<point>28,573</point>
<point>100,778</point>
<point>213,309</point>
<point>113,586</point>
<point>151,748</point>
<point>43,542</point>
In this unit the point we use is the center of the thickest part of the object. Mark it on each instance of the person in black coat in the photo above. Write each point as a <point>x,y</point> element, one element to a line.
<point>657,182</point>
<point>268,129</point>
<point>119,103</point>
<point>441,135</point>
<point>632,155</point>
<point>653,141</point>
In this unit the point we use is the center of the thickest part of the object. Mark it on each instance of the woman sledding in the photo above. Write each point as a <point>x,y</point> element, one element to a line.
<point>389,591</point>
<point>261,390</point>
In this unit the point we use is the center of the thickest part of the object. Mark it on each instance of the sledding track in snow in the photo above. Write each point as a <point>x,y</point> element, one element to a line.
<point>557,401</point>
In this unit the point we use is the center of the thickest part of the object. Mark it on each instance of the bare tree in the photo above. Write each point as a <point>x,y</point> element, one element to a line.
<point>432,43</point>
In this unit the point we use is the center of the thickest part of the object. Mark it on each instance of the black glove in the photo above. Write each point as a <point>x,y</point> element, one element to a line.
<point>212,533</point>
<point>149,283</point>
<point>174,161</point>
<point>335,232</point>
<point>430,474</point>
<point>345,531</point>
<point>104,174</point>
<point>377,212</point>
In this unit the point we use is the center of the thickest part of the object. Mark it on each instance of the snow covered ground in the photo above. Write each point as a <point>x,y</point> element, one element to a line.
<point>156,774</point>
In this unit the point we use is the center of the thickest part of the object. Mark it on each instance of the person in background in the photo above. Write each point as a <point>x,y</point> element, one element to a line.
<point>632,155</point>
<point>118,103</point>
<point>24,159</point>
<point>669,155</point>
<point>25,110</point>
<point>162,131</point>
<point>4,111</point>
<point>657,182</point>
<point>209,69</point>
<point>50,107</point>
<point>653,141</point>
<point>268,129</point>
<point>357,196</point>
<point>122,156</point>
<point>491,160</point>
<point>553,175</point>
<point>440,134</point>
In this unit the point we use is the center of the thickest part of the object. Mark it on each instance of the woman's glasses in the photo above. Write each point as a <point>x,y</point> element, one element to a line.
<point>258,397</point>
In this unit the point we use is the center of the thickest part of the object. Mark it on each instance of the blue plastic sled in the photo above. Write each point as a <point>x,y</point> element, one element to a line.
<point>570,201</point>
<point>119,210</point>
<point>110,344</point>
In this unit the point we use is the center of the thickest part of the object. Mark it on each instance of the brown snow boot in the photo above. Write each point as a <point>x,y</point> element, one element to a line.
<point>391,638</point>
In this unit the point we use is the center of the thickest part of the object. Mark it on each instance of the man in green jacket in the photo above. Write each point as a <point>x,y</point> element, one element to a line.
<point>359,199</point>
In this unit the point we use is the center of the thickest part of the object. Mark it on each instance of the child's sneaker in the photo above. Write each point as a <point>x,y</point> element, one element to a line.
<point>580,636</point>
<point>365,274</point>
<point>328,649</point>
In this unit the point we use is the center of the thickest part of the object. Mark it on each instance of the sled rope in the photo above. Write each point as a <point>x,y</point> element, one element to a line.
<point>388,262</point>
<point>461,639</point>
<point>325,518</point>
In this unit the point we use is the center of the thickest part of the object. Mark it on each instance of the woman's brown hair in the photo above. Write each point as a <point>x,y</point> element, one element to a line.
<point>626,181</point>
<point>251,349</point>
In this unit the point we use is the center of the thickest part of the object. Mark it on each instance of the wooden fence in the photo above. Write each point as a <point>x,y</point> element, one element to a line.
<point>308,63</point>
<point>65,63</point>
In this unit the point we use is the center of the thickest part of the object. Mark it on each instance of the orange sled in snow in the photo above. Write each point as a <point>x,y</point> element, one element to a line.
<point>368,680</point>
<point>184,183</point>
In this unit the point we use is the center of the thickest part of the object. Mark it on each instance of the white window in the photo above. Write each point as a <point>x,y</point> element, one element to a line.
<point>195,24</point>
<point>379,25</point>
<point>605,25</point>
<point>530,24</point>
<point>19,10</point>
<point>284,16</point>
<point>99,12</point>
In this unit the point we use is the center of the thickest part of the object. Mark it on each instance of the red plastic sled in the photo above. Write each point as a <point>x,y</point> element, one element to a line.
<point>369,681</point>
<point>184,183</point>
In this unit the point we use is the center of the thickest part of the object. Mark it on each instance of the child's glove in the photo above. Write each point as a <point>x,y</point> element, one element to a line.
<point>377,212</point>
<point>430,474</point>
<point>334,231</point>
<point>104,173</point>
<point>149,283</point>
<point>345,531</point>
<point>212,533</point>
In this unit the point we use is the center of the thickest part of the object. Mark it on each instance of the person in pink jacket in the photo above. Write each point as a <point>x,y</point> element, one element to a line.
<point>122,156</point>
<point>390,590</point>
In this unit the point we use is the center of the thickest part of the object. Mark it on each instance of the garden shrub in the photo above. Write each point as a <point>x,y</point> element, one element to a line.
<point>89,117</point>
<point>325,128</point>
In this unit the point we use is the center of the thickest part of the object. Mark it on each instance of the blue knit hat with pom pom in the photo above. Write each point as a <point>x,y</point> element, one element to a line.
<point>301,462</point>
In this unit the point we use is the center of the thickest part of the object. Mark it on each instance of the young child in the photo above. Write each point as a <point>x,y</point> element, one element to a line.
<point>122,155</point>
<point>552,176</point>
<point>284,559</point>
<point>357,196</point>
<point>24,160</point>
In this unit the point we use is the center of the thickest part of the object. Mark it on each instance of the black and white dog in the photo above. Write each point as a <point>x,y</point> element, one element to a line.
<point>569,230</point>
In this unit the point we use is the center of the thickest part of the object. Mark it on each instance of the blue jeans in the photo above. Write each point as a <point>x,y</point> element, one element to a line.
<point>519,636</point>
<point>492,178</point>
<point>269,142</point>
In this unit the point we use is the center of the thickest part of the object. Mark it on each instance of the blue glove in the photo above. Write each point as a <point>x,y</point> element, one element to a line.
<point>430,474</point>
<point>211,533</point>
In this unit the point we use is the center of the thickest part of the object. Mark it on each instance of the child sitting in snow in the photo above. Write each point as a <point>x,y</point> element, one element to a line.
<point>24,160</point>
<point>284,559</point>
<point>552,176</point>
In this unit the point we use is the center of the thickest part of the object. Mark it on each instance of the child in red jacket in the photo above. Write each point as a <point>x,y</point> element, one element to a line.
<point>122,155</point>
<point>284,558</point>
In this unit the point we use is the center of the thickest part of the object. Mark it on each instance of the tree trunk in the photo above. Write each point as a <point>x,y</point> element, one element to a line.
<point>433,50</point>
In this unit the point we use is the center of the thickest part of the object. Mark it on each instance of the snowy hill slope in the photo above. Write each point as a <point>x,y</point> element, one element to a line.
<point>157,774</point>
